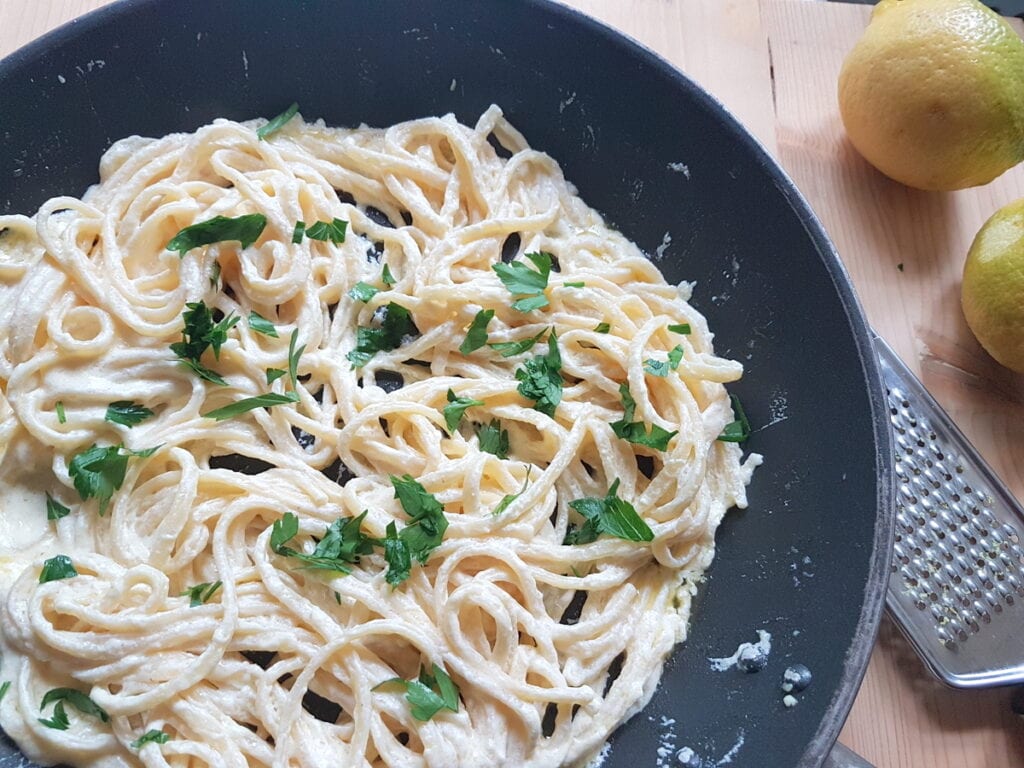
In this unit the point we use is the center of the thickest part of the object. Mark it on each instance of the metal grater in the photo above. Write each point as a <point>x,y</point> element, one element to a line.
<point>957,582</point>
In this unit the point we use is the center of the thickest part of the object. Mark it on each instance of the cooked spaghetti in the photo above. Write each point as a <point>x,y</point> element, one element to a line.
<point>345,447</point>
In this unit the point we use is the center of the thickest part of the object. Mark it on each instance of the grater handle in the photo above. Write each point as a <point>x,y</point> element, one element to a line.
<point>843,757</point>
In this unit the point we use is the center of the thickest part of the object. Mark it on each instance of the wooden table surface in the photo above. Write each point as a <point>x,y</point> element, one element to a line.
<point>774,64</point>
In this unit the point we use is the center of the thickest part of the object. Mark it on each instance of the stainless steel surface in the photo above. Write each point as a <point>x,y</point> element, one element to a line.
<point>957,583</point>
<point>841,757</point>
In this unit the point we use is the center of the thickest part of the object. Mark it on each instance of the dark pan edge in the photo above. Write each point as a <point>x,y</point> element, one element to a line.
<point>862,643</point>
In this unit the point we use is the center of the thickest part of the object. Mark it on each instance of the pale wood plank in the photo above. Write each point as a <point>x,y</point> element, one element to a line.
<point>903,717</point>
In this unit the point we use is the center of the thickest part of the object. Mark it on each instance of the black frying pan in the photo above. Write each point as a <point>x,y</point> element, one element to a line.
<point>807,560</point>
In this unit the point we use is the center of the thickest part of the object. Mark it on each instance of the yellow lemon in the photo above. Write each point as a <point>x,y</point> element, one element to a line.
<point>992,293</point>
<point>933,93</point>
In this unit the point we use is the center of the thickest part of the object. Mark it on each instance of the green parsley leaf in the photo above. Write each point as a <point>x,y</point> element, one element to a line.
<point>200,333</point>
<point>151,736</point>
<point>299,232</point>
<point>61,417</point>
<point>127,413</point>
<point>333,230</point>
<point>683,328</point>
<point>59,721</point>
<point>427,521</point>
<point>675,356</point>
<point>56,568</point>
<point>98,471</point>
<point>522,281</point>
<point>342,545</point>
<point>4,687</point>
<point>54,509</point>
<point>656,367</point>
<point>493,439</point>
<point>215,274</point>
<point>508,498</point>
<point>541,379</point>
<point>476,336</point>
<point>277,123</point>
<point>456,408</point>
<point>397,324</point>
<point>738,430</point>
<point>575,284</point>
<point>363,292</point>
<point>260,324</point>
<point>583,534</point>
<point>386,277</point>
<point>429,694</point>
<point>273,374</point>
<point>284,530</point>
<point>77,699</point>
<point>201,593</point>
<point>613,516</point>
<point>397,555</point>
<point>602,328</point>
<point>662,367</point>
<point>245,229</point>
<point>512,348</point>
<point>293,360</point>
<point>247,404</point>
<point>635,431</point>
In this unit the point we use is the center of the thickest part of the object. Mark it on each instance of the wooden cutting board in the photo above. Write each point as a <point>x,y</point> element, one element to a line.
<point>774,64</point>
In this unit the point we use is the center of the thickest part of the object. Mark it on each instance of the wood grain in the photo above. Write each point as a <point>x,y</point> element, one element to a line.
<point>774,64</point>
<point>905,251</point>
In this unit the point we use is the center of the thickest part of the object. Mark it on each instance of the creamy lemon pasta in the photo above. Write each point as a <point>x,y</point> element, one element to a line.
<point>345,447</point>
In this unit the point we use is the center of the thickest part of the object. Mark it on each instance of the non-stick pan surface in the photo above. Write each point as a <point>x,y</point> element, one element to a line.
<point>665,164</point>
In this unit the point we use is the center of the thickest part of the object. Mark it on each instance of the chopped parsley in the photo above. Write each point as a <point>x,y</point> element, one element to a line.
<point>575,284</point>
<point>396,325</point>
<point>298,232</point>
<point>635,431</point>
<point>245,229</point>
<point>76,699</point>
<point>98,471</point>
<point>602,328</point>
<point>277,123</point>
<point>662,367</point>
<point>61,417</point>
<point>386,277</point>
<point>127,413</point>
<point>363,292</point>
<point>397,556</point>
<point>738,430</point>
<point>247,404</point>
<point>421,536</point>
<point>456,408</point>
<point>333,230</point>
<point>527,283</point>
<point>476,336</point>
<point>59,721</point>
<point>54,509</point>
<point>4,687</point>
<point>683,328</point>
<point>201,593</point>
<point>493,439</point>
<point>293,358</point>
<point>259,324</point>
<point>610,515</point>
<point>512,348</point>
<point>508,498</point>
<point>151,736</point>
<point>200,333</point>
<point>341,547</point>
<point>56,568</point>
<point>428,694</point>
<point>541,379</point>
